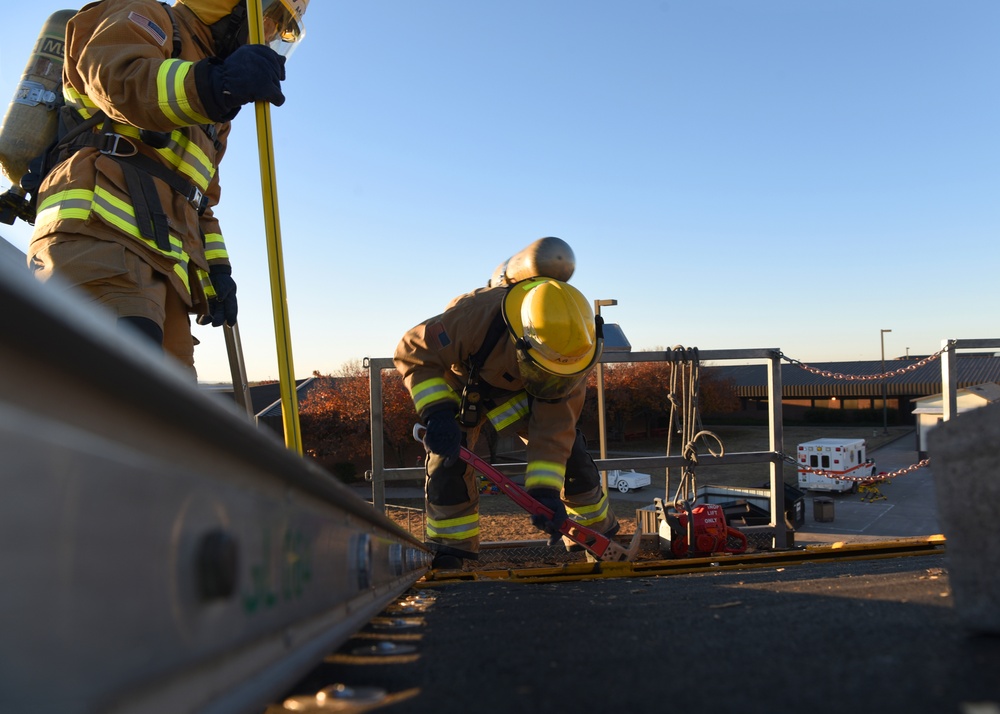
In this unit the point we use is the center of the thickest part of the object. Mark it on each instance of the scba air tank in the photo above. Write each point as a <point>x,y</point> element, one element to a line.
<point>546,257</point>
<point>31,120</point>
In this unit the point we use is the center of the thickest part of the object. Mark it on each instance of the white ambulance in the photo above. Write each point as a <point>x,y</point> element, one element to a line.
<point>843,461</point>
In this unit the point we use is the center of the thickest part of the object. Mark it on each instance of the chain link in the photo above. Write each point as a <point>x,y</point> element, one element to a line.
<point>859,479</point>
<point>869,377</point>
<point>865,378</point>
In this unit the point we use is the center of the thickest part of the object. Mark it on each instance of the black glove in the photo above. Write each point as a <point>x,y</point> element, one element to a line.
<point>548,497</point>
<point>443,436</point>
<point>253,73</point>
<point>221,308</point>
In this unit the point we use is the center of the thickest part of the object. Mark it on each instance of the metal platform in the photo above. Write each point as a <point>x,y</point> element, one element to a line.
<point>821,636</point>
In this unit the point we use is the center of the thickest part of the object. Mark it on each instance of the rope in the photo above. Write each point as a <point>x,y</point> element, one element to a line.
<point>685,419</point>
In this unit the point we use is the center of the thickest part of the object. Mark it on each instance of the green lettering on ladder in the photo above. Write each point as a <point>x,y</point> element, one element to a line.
<point>295,572</point>
<point>261,596</point>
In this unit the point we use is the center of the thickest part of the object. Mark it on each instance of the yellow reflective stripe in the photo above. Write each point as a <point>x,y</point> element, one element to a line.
<point>80,102</point>
<point>74,203</point>
<point>188,158</point>
<point>430,392</point>
<point>588,515</point>
<point>79,203</point>
<point>180,270</point>
<point>215,247</point>
<point>121,215</point>
<point>125,130</point>
<point>206,282</point>
<point>454,528</point>
<point>177,153</point>
<point>172,98</point>
<point>545,474</point>
<point>510,412</point>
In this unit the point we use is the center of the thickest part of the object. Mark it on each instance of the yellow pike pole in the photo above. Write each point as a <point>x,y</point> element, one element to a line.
<point>279,300</point>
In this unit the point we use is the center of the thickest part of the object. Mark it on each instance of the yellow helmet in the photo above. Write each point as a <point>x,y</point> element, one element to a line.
<point>283,26</point>
<point>210,11</point>
<point>557,338</point>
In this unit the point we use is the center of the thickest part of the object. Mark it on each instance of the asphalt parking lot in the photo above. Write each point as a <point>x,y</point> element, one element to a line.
<point>905,506</point>
<point>909,506</point>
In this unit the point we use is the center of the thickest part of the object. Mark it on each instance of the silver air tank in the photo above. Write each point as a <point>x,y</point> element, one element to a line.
<point>30,123</point>
<point>546,257</point>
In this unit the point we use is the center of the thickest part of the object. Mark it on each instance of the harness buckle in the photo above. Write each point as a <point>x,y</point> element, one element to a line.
<point>114,141</point>
<point>198,199</point>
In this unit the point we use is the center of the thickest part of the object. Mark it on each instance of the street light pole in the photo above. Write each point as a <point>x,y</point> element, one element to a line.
<point>885,396</point>
<point>601,428</point>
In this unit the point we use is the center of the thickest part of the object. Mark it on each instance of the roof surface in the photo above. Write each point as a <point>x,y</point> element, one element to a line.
<point>847,379</point>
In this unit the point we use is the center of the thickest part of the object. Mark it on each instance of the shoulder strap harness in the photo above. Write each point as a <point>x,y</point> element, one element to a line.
<point>475,392</point>
<point>139,170</point>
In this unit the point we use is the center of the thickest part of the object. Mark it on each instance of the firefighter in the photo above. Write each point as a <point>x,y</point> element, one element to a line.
<point>518,356</point>
<point>125,211</point>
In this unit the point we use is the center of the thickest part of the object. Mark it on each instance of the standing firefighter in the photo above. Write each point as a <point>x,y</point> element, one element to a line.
<point>124,210</point>
<point>517,355</point>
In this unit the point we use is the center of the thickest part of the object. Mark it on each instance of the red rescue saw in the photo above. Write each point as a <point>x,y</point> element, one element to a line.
<point>710,534</point>
<point>598,544</point>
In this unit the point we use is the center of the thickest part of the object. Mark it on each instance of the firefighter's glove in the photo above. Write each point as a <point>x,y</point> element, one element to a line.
<point>548,497</point>
<point>443,436</point>
<point>253,73</point>
<point>222,307</point>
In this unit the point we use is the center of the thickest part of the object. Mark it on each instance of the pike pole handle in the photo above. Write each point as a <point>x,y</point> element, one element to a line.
<point>272,224</point>
<point>237,369</point>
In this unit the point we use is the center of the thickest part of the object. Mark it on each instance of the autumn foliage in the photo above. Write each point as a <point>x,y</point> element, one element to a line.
<point>335,414</point>
<point>637,396</point>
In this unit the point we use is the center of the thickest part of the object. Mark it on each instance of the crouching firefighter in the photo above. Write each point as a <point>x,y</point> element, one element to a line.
<point>124,199</point>
<point>519,356</point>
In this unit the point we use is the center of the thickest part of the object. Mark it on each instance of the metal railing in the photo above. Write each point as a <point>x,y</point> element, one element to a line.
<point>949,370</point>
<point>380,475</point>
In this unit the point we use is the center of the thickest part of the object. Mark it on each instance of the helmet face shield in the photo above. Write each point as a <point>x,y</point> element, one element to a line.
<point>543,384</point>
<point>555,336</point>
<point>283,27</point>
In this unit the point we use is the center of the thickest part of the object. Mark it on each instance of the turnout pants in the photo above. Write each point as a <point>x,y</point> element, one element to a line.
<point>452,499</point>
<point>105,273</point>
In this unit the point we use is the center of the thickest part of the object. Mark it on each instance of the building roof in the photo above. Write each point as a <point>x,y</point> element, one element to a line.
<point>969,397</point>
<point>273,410</point>
<point>847,379</point>
<point>265,398</point>
<point>12,255</point>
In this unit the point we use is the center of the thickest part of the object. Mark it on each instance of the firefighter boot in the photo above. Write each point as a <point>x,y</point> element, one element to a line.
<point>446,558</point>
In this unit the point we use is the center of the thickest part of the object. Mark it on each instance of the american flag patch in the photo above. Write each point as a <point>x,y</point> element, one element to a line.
<point>149,26</point>
<point>436,331</point>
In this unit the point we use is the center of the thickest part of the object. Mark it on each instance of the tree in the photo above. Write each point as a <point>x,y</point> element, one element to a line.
<point>718,396</point>
<point>636,391</point>
<point>398,416</point>
<point>335,416</point>
<point>335,428</point>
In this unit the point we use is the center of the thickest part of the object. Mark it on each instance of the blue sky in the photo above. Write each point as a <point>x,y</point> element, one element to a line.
<point>795,174</point>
